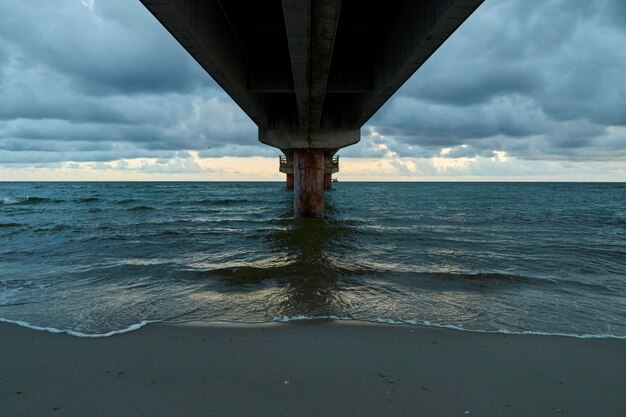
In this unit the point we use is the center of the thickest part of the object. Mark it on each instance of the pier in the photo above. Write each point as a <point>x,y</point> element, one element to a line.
<point>310,73</point>
<point>331,166</point>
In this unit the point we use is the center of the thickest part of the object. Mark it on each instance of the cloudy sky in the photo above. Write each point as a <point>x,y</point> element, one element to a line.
<point>524,90</point>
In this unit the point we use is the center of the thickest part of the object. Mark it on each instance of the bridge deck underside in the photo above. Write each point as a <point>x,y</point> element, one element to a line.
<point>310,65</point>
<point>310,73</point>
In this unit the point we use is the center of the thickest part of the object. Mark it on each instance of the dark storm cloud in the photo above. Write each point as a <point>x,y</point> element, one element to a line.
<point>477,88</point>
<point>114,47</point>
<point>102,80</point>
<point>421,122</point>
<point>195,123</point>
<point>538,79</point>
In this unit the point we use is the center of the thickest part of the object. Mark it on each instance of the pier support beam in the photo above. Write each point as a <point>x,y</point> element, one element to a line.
<point>308,172</point>
<point>290,181</point>
<point>328,181</point>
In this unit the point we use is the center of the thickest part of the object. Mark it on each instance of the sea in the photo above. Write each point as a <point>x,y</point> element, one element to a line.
<point>99,258</point>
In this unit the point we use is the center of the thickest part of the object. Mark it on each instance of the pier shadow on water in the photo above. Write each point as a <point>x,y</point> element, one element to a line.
<point>305,273</point>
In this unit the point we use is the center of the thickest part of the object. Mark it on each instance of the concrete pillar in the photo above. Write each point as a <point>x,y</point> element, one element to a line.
<point>290,181</point>
<point>308,173</point>
<point>328,181</point>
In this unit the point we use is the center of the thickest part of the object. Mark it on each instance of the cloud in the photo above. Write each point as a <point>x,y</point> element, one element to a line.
<point>111,47</point>
<point>539,79</point>
<point>102,80</point>
<point>521,82</point>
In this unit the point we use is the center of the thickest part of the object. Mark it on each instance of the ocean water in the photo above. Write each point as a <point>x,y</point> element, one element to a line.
<point>99,258</point>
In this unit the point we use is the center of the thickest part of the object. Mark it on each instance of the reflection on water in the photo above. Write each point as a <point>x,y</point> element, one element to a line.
<point>310,279</point>
<point>308,274</point>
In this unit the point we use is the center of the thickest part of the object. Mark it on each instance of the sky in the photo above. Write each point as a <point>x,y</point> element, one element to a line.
<point>525,90</point>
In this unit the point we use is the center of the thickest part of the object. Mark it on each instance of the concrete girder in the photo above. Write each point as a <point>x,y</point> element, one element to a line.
<point>297,15</point>
<point>420,28</point>
<point>267,77</point>
<point>327,139</point>
<point>203,29</point>
<point>325,18</point>
<point>311,29</point>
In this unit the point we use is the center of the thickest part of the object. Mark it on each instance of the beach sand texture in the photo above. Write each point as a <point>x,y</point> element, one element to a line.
<point>313,368</point>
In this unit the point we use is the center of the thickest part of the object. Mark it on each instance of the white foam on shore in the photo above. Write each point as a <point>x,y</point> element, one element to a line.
<point>286,319</point>
<point>426,323</point>
<point>128,329</point>
<point>504,331</point>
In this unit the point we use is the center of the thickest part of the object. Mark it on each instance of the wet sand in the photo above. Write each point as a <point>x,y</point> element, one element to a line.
<point>309,369</point>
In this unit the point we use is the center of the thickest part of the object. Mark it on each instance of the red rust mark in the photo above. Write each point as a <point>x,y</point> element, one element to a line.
<point>328,181</point>
<point>308,167</point>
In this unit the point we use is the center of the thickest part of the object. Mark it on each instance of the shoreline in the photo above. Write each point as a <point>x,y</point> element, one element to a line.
<point>308,367</point>
<point>382,322</point>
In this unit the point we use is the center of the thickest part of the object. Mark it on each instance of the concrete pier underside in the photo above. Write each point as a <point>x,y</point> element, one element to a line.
<point>310,73</point>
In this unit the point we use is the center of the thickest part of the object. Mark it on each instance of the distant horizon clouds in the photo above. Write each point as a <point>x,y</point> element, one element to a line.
<point>524,90</point>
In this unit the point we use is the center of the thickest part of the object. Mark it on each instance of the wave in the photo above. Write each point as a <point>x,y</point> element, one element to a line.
<point>141,208</point>
<point>502,278</point>
<point>18,284</point>
<point>9,201</point>
<point>284,270</point>
<point>287,319</point>
<point>88,200</point>
<point>70,332</point>
<point>125,201</point>
<point>427,323</point>
<point>223,201</point>
<point>325,267</point>
<point>58,228</point>
<point>38,200</point>
<point>7,225</point>
<point>489,277</point>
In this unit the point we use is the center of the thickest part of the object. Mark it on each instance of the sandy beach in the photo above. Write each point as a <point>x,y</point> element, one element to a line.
<point>318,368</point>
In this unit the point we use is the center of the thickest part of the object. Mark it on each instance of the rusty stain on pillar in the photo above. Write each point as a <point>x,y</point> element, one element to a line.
<point>290,181</point>
<point>328,181</point>
<point>308,173</point>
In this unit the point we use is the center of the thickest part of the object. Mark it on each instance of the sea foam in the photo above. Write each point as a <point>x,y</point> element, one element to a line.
<point>128,329</point>
<point>287,319</point>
